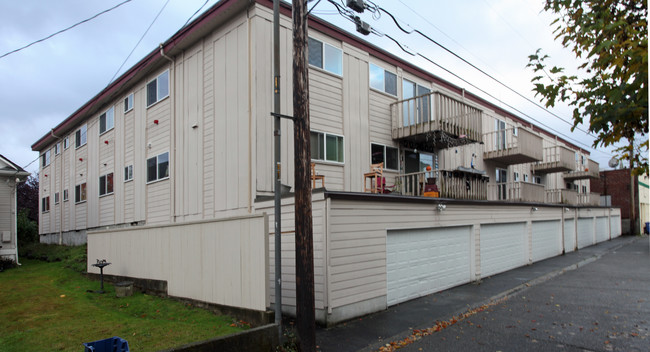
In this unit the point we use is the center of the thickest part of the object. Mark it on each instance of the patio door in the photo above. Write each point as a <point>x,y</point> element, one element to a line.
<point>500,135</point>
<point>502,184</point>
<point>415,162</point>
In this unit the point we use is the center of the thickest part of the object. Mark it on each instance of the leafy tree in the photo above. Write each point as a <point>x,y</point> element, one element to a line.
<point>27,229</point>
<point>28,197</point>
<point>610,40</point>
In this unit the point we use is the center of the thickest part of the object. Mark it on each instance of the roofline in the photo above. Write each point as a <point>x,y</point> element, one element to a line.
<point>12,164</point>
<point>321,25</point>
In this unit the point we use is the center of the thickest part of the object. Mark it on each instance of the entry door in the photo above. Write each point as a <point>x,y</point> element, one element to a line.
<point>502,184</point>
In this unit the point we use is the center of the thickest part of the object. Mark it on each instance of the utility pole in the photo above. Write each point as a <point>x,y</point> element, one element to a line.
<point>277,166</point>
<point>632,190</point>
<point>305,315</point>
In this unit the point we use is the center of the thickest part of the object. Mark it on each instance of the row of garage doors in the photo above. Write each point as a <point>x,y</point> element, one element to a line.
<point>423,261</point>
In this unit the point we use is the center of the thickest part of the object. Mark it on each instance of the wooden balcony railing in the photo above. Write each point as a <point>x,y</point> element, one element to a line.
<point>451,184</point>
<point>581,172</point>
<point>435,114</point>
<point>589,198</point>
<point>512,146</point>
<point>562,196</point>
<point>556,159</point>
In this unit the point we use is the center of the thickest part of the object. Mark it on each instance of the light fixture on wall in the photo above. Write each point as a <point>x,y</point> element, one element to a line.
<point>534,209</point>
<point>567,210</point>
<point>441,207</point>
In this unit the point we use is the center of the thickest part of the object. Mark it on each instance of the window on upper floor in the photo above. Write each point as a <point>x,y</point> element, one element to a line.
<point>106,184</point>
<point>158,167</point>
<point>57,148</point>
<point>325,56</point>
<point>45,204</point>
<point>66,142</point>
<point>128,103</point>
<point>516,176</point>
<point>80,193</point>
<point>158,88</point>
<point>525,177</point>
<point>537,179</point>
<point>65,195</point>
<point>106,120</point>
<point>56,198</point>
<point>81,136</point>
<point>415,110</point>
<point>326,147</point>
<point>45,158</point>
<point>128,173</point>
<point>382,80</point>
<point>384,154</point>
<point>584,189</point>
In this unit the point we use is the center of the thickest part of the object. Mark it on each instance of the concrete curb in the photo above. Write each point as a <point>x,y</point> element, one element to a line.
<point>509,293</point>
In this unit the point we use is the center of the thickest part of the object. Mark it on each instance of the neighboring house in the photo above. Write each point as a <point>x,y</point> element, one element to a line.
<point>186,136</point>
<point>10,175</point>
<point>614,188</point>
<point>644,200</point>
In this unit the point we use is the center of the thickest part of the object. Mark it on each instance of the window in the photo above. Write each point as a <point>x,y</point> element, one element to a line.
<point>45,158</point>
<point>516,176</point>
<point>501,180</point>
<point>128,103</point>
<point>128,173</point>
<point>65,195</point>
<point>80,193</point>
<point>384,154</point>
<point>415,110</point>
<point>584,189</point>
<point>66,142</point>
<point>383,80</point>
<point>537,179</point>
<point>158,167</point>
<point>500,135</point>
<point>80,136</point>
<point>45,204</point>
<point>106,120</point>
<point>325,56</point>
<point>158,88</point>
<point>57,148</point>
<point>56,198</point>
<point>583,160</point>
<point>106,184</point>
<point>525,177</point>
<point>326,146</point>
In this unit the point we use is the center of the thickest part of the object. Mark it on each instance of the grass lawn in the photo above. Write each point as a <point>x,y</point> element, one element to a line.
<point>44,306</point>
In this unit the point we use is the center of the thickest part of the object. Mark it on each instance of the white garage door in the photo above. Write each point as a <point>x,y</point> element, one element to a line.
<point>569,235</point>
<point>503,247</point>
<point>547,239</point>
<point>585,232</point>
<point>423,261</point>
<point>615,226</point>
<point>602,230</point>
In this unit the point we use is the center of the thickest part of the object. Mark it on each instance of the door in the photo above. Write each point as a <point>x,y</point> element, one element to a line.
<point>423,261</point>
<point>502,184</point>
<point>503,247</point>
<point>547,239</point>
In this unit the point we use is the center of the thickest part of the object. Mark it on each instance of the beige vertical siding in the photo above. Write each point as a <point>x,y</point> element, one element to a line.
<point>219,261</point>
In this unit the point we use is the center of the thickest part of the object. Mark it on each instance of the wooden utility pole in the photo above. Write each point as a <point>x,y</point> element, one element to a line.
<point>633,203</point>
<point>305,316</point>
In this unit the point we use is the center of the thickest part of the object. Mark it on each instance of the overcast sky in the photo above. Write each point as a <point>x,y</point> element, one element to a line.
<point>42,85</point>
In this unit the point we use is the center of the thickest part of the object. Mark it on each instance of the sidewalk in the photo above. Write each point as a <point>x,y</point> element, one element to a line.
<point>373,331</point>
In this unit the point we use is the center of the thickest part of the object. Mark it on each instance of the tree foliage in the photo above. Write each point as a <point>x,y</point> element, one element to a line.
<point>610,40</point>
<point>28,197</point>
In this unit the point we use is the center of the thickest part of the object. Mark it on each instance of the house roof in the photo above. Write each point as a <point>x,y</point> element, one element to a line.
<point>219,13</point>
<point>11,168</point>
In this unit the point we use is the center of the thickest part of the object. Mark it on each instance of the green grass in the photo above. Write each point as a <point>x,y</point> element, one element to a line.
<point>46,307</point>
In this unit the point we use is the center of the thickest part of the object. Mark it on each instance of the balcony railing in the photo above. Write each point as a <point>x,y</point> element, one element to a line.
<point>556,159</point>
<point>456,184</point>
<point>512,146</point>
<point>435,118</point>
<point>589,198</point>
<point>581,172</point>
<point>562,196</point>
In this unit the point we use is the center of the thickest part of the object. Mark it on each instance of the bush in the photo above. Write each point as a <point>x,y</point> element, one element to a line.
<point>74,257</point>
<point>27,229</point>
<point>6,264</point>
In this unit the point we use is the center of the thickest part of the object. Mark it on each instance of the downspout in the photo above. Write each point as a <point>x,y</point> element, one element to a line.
<point>60,190</point>
<point>16,181</point>
<point>172,95</point>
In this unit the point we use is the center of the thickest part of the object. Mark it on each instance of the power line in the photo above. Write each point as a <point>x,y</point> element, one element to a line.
<point>138,43</point>
<point>63,30</point>
<point>195,12</point>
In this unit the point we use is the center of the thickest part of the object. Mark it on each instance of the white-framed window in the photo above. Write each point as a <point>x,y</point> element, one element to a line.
<point>416,110</point>
<point>128,173</point>
<point>45,204</point>
<point>81,136</point>
<point>384,154</point>
<point>65,195</point>
<point>57,148</point>
<point>106,184</point>
<point>584,189</point>
<point>525,177</point>
<point>66,142</point>
<point>106,120</point>
<point>56,198</point>
<point>158,167</point>
<point>537,179</point>
<point>326,147</point>
<point>516,176</point>
<point>128,103</point>
<point>382,80</point>
<point>45,158</point>
<point>502,183</point>
<point>158,88</point>
<point>325,56</point>
<point>80,193</point>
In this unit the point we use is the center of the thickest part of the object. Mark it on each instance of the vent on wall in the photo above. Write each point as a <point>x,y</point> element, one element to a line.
<point>6,236</point>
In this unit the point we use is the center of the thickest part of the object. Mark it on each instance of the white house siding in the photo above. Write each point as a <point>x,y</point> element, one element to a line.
<point>6,206</point>
<point>159,193</point>
<point>547,239</point>
<point>127,212</point>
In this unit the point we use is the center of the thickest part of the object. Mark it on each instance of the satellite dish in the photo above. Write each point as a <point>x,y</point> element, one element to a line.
<point>613,163</point>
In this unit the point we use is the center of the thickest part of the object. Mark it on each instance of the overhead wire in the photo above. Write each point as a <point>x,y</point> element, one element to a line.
<point>64,30</point>
<point>195,12</point>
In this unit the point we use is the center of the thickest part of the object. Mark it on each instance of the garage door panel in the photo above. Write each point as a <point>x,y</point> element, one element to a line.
<point>503,247</point>
<point>547,239</point>
<point>615,226</point>
<point>585,232</point>
<point>602,230</point>
<point>424,261</point>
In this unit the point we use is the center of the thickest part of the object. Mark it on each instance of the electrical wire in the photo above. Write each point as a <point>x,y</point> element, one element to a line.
<point>63,30</point>
<point>195,12</point>
<point>139,41</point>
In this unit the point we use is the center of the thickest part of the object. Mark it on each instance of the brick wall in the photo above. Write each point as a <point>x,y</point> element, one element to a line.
<point>616,183</point>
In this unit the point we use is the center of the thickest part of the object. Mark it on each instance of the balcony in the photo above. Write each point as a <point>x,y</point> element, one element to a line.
<point>519,192</point>
<point>435,120</point>
<point>562,196</point>
<point>589,198</point>
<point>462,183</point>
<point>556,159</point>
<point>512,146</point>
<point>582,172</point>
